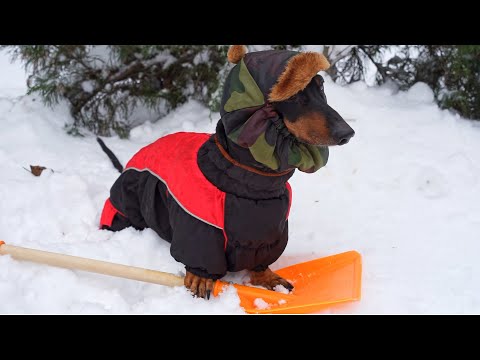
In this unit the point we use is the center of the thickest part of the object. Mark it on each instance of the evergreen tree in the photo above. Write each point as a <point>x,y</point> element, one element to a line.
<point>451,71</point>
<point>457,85</point>
<point>105,85</point>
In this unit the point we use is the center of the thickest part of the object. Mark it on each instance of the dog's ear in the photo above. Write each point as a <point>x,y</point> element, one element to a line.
<point>236,53</point>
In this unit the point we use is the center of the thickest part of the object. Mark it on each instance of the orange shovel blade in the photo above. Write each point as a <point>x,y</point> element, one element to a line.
<point>318,284</point>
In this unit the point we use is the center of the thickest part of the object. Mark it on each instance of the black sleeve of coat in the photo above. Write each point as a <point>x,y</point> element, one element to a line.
<point>257,231</point>
<point>196,244</point>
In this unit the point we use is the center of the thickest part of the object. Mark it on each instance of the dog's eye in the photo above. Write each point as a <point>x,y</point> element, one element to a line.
<point>320,85</point>
<point>319,80</point>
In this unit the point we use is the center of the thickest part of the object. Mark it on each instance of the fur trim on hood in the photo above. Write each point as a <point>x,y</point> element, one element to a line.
<point>298,73</point>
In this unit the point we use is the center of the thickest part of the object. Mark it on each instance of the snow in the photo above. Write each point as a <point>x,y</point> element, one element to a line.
<point>88,86</point>
<point>260,304</point>
<point>281,289</point>
<point>12,78</point>
<point>404,193</point>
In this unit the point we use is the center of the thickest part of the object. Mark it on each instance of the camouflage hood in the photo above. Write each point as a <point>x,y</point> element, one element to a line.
<point>253,131</point>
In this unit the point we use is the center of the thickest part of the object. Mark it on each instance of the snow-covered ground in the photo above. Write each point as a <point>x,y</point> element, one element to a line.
<point>404,193</point>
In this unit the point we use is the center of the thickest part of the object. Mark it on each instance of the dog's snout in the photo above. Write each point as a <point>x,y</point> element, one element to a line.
<point>343,134</point>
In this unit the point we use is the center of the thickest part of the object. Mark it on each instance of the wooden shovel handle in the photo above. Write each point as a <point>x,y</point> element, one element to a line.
<point>96,266</point>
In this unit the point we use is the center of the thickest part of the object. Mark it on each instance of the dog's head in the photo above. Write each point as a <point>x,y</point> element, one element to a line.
<point>299,96</point>
<point>274,106</point>
<point>310,119</point>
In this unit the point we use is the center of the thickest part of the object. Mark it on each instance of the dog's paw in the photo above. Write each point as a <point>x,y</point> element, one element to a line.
<point>269,280</point>
<point>199,286</point>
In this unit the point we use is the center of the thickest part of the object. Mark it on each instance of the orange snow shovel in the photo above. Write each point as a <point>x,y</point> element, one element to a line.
<point>318,283</point>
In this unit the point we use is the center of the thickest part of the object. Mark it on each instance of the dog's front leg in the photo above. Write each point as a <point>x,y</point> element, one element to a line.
<point>198,285</point>
<point>269,279</point>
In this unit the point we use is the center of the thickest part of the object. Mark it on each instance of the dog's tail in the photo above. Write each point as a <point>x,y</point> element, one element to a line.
<point>111,155</point>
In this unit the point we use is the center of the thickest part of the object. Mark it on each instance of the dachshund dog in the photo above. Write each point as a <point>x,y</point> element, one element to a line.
<point>222,200</point>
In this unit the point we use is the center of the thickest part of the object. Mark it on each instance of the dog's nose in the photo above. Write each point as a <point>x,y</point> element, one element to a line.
<point>345,138</point>
<point>343,135</point>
